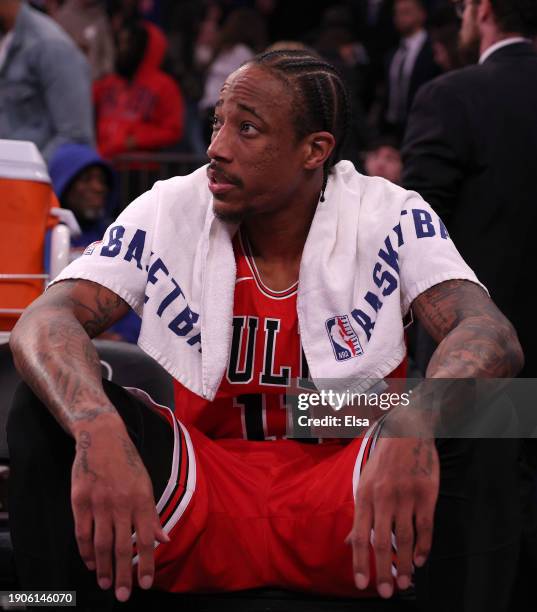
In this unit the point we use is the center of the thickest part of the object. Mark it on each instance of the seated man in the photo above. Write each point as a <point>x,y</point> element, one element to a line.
<point>233,277</point>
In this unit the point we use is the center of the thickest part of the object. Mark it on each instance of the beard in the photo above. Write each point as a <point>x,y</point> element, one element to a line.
<point>233,218</point>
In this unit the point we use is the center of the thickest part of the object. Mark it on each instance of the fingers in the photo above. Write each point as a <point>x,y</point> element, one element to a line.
<point>123,557</point>
<point>359,539</point>
<point>424,529</point>
<point>404,538</point>
<point>103,545</point>
<point>148,529</point>
<point>84,531</point>
<point>382,542</point>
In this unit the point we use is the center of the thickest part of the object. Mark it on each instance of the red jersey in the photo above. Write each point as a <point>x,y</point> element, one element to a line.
<point>266,355</point>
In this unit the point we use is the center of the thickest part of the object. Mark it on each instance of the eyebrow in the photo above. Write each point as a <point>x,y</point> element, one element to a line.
<point>251,110</point>
<point>244,107</point>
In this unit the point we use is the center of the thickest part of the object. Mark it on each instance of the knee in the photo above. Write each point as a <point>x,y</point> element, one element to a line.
<point>30,425</point>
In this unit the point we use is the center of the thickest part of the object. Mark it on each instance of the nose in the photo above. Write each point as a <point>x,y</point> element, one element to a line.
<point>219,148</point>
<point>98,185</point>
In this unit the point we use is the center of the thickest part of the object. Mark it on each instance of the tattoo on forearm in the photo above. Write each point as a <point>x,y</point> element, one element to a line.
<point>56,356</point>
<point>476,340</point>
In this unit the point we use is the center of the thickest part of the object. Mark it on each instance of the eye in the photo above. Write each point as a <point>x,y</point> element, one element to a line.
<point>215,122</point>
<point>248,129</point>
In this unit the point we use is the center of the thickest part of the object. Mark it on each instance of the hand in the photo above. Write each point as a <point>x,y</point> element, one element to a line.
<point>398,489</point>
<point>112,494</point>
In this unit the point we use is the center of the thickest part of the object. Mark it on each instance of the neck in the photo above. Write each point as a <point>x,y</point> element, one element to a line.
<point>491,37</point>
<point>280,236</point>
<point>412,33</point>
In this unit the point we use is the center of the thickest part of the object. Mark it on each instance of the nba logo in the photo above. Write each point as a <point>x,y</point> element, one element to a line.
<point>91,247</point>
<point>345,343</point>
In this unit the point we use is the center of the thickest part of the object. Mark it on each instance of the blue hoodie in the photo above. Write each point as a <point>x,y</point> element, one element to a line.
<point>66,163</point>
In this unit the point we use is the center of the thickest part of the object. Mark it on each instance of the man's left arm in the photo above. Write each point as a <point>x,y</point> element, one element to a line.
<point>399,486</point>
<point>66,83</point>
<point>475,339</point>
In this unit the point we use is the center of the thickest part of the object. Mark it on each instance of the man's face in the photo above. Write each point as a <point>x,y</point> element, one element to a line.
<point>256,160</point>
<point>408,17</point>
<point>130,51</point>
<point>469,35</point>
<point>87,194</point>
<point>385,162</point>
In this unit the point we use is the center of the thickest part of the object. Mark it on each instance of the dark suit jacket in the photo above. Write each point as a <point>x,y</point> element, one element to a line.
<point>423,71</point>
<point>471,151</point>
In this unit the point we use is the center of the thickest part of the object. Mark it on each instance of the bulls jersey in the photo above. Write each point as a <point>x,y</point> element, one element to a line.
<point>265,356</point>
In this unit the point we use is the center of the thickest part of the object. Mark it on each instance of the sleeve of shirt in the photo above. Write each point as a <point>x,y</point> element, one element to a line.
<point>436,149</point>
<point>427,255</point>
<point>120,260</point>
<point>66,87</point>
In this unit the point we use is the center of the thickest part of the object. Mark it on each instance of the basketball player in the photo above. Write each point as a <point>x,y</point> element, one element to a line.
<point>217,497</point>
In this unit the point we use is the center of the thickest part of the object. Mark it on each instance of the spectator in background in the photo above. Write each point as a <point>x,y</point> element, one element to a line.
<point>383,159</point>
<point>411,65</point>
<point>444,32</point>
<point>138,107</point>
<point>45,89</point>
<point>336,41</point>
<point>469,150</point>
<point>84,183</point>
<point>87,23</point>
<point>375,28</point>
<point>241,37</point>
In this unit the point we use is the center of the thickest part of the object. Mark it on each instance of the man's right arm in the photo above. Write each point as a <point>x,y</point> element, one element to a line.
<point>53,352</point>
<point>111,492</point>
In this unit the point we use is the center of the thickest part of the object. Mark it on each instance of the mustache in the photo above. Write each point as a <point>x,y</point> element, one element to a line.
<point>228,178</point>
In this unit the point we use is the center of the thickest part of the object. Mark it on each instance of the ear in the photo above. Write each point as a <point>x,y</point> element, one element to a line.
<point>318,147</point>
<point>484,11</point>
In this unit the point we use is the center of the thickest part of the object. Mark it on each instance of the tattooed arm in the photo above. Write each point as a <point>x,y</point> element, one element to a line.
<point>53,352</point>
<point>111,492</point>
<point>475,339</point>
<point>399,485</point>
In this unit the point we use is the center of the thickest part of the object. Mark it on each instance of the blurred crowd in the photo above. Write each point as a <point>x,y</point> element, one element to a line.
<point>144,75</point>
<point>89,81</point>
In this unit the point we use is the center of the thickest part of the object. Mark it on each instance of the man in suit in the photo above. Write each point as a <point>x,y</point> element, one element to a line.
<point>411,65</point>
<point>470,151</point>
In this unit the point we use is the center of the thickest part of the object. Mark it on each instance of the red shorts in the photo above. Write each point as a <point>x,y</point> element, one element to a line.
<point>244,514</point>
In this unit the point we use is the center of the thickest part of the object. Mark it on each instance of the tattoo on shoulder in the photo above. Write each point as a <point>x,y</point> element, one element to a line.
<point>100,313</point>
<point>442,307</point>
<point>485,344</point>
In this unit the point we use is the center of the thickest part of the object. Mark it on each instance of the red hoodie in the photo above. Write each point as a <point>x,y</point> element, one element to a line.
<point>148,109</point>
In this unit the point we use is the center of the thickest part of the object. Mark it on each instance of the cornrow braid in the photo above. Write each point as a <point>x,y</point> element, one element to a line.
<point>321,101</point>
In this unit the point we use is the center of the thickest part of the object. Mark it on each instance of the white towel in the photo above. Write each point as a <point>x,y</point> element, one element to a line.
<point>372,248</point>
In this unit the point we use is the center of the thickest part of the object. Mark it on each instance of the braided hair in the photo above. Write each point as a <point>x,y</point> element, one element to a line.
<point>321,102</point>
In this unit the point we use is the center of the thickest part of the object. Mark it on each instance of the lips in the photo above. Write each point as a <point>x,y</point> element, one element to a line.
<point>219,183</point>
